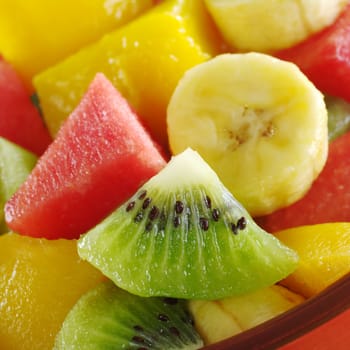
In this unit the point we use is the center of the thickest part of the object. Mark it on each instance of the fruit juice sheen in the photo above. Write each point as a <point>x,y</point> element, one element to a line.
<point>180,143</point>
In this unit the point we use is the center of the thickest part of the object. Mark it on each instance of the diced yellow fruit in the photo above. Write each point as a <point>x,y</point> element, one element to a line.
<point>324,252</point>
<point>212,321</point>
<point>38,33</point>
<point>144,60</point>
<point>40,281</point>
<point>221,319</point>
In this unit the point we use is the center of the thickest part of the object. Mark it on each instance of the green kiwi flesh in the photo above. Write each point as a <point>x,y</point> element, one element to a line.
<point>15,165</point>
<point>183,235</point>
<point>109,318</point>
<point>338,116</point>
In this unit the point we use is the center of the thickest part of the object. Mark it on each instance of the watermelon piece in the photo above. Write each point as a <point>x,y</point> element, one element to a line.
<point>100,157</point>
<point>20,121</point>
<point>328,200</point>
<point>325,57</point>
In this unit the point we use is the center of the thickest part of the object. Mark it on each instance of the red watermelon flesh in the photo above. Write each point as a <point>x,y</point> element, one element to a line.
<point>325,57</point>
<point>20,121</point>
<point>328,200</point>
<point>100,157</point>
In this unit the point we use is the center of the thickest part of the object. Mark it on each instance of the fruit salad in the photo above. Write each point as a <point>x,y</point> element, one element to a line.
<point>173,173</point>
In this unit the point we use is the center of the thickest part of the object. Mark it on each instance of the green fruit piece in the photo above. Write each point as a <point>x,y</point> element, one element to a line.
<point>15,165</point>
<point>184,235</point>
<point>338,116</point>
<point>109,318</point>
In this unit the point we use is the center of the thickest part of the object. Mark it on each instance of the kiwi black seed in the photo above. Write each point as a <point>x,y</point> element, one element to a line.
<point>184,235</point>
<point>110,318</point>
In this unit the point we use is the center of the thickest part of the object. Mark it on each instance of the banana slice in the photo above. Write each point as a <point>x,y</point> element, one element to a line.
<point>258,121</point>
<point>216,320</point>
<point>265,25</point>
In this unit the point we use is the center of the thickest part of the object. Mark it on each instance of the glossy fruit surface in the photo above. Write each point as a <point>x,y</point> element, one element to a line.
<point>324,256</point>
<point>263,26</point>
<point>224,318</point>
<point>323,57</point>
<point>40,281</point>
<point>328,199</point>
<point>20,121</point>
<point>142,61</point>
<point>43,32</point>
<point>241,112</point>
<point>101,156</point>
<point>15,165</point>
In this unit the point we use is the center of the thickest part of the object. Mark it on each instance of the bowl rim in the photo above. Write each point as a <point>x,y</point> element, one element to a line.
<point>293,323</point>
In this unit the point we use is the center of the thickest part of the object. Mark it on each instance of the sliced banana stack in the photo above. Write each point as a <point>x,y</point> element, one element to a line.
<point>265,25</point>
<point>258,121</point>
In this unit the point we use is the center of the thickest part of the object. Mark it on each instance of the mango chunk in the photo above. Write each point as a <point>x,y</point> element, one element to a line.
<point>40,281</point>
<point>324,252</point>
<point>36,34</point>
<point>144,60</point>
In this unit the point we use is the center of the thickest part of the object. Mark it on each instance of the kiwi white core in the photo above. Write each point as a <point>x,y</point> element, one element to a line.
<point>190,167</point>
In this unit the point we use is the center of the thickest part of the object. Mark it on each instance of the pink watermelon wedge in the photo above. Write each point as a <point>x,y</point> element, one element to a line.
<point>100,157</point>
<point>20,121</point>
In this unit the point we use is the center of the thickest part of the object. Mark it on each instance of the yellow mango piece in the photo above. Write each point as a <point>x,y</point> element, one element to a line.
<point>36,34</point>
<point>144,60</point>
<point>324,252</point>
<point>40,281</point>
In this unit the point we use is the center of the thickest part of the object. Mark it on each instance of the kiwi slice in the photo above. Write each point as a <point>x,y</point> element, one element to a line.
<point>184,235</point>
<point>15,165</point>
<point>109,318</point>
<point>338,116</point>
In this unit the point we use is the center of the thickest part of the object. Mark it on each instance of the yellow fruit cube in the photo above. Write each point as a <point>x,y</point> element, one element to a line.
<point>144,60</point>
<point>36,34</point>
<point>40,281</point>
<point>324,252</point>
